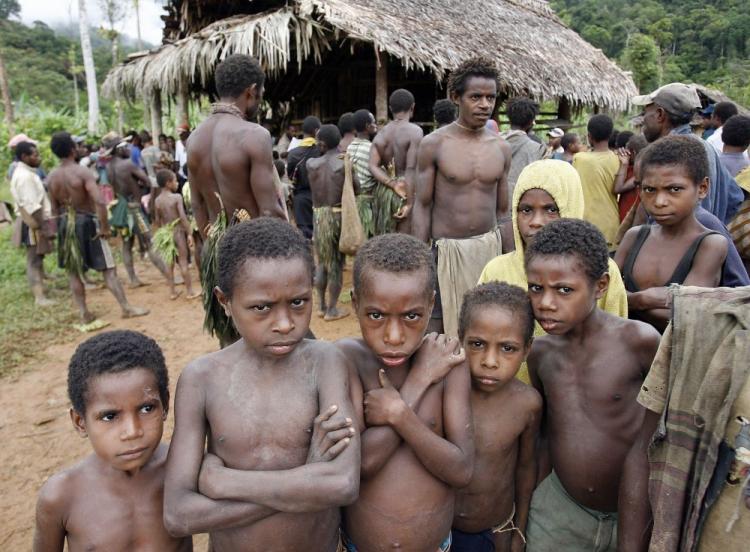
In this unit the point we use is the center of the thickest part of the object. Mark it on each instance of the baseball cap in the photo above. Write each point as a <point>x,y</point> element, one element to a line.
<point>556,133</point>
<point>675,97</point>
<point>708,111</point>
<point>18,138</point>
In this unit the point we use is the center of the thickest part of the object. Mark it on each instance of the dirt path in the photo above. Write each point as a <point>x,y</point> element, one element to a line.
<point>35,430</point>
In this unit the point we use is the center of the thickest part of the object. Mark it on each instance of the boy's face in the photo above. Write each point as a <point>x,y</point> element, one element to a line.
<point>669,194</point>
<point>561,292</point>
<point>535,209</point>
<point>172,185</point>
<point>476,104</point>
<point>393,311</point>
<point>495,347</point>
<point>271,304</point>
<point>124,417</point>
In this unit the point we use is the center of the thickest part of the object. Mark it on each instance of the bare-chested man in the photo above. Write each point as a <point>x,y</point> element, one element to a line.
<point>73,187</point>
<point>230,164</point>
<point>326,177</point>
<point>130,183</point>
<point>462,190</point>
<point>393,163</point>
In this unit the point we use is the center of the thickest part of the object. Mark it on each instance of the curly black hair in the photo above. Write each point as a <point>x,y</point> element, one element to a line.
<point>600,127</point>
<point>310,125</point>
<point>724,110</point>
<point>62,144</point>
<point>499,295</point>
<point>236,74</point>
<point>685,151</point>
<point>24,148</point>
<point>111,353</point>
<point>346,123</point>
<point>568,139</point>
<point>260,238</point>
<point>572,237</point>
<point>394,253</point>
<point>163,176</point>
<point>444,111</point>
<point>401,100</point>
<point>330,136</point>
<point>736,131</point>
<point>362,119</point>
<point>521,111</point>
<point>622,138</point>
<point>474,67</point>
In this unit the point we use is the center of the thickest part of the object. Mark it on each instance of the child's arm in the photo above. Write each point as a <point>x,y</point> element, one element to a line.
<point>49,532</point>
<point>186,511</point>
<point>526,469</point>
<point>425,188</point>
<point>543,461</point>
<point>316,485</point>
<point>450,459</point>
<point>435,359</point>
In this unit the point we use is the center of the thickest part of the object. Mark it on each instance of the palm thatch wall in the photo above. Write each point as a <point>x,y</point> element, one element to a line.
<point>536,53</point>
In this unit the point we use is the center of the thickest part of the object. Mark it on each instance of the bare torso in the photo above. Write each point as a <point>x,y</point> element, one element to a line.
<point>393,143</point>
<point>499,420</point>
<point>592,416</point>
<point>127,179</point>
<point>326,176</point>
<point>114,512</point>
<point>167,207</point>
<point>249,430</point>
<point>67,187</point>
<point>403,507</point>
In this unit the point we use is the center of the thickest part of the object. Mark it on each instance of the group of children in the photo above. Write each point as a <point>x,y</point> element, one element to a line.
<point>396,440</point>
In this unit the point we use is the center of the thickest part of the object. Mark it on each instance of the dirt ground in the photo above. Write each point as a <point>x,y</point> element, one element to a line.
<point>35,429</point>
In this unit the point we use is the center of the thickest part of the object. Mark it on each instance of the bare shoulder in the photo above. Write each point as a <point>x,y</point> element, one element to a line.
<point>60,490</point>
<point>639,338</point>
<point>324,356</point>
<point>717,243</point>
<point>414,130</point>
<point>207,368</point>
<point>434,139</point>
<point>529,398</point>
<point>357,353</point>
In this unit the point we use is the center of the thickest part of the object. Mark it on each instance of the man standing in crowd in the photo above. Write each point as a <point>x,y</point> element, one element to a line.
<point>296,168</point>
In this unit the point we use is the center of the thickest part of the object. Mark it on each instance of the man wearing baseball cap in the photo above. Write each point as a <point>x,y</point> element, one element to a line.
<point>668,110</point>
<point>554,136</point>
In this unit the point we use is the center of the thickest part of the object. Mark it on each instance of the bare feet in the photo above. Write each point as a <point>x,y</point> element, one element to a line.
<point>335,314</point>
<point>137,283</point>
<point>44,302</point>
<point>88,317</point>
<point>193,295</point>
<point>132,312</point>
<point>175,295</point>
<point>91,286</point>
<point>178,280</point>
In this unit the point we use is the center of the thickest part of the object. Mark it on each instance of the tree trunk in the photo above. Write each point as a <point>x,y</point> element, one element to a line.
<point>156,115</point>
<point>7,102</point>
<point>137,5</point>
<point>118,103</point>
<point>381,88</point>
<point>75,95</point>
<point>88,64</point>
<point>183,106</point>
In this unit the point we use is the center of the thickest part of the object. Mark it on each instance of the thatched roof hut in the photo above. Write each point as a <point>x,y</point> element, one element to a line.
<point>306,45</point>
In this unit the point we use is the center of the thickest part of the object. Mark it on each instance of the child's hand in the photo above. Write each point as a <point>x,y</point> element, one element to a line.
<point>206,479</point>
<point>190,241</point>
<point>329,437</point>
<point>383,406</point>
<point>437,356</point>
<point>624,155</point>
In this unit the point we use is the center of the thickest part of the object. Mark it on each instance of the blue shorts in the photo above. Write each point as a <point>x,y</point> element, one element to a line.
<point>473,542</point>
<point>349,545</point>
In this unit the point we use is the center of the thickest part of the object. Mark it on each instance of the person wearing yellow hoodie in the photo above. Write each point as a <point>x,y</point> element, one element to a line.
<point>547,190</point>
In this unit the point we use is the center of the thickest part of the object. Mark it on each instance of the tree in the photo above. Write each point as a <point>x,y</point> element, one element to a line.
<point>114,12</point>
<point>8,8</point>
<point>137,6</point>
<point>88,65</point>
<point>75,70</point>
<point>642,57</point>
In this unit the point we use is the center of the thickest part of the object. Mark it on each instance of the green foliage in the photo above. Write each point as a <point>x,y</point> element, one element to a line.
<point>696,41</point>
<point>9,8</point>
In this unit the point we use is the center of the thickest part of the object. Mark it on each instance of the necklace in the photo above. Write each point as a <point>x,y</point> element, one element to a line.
<point>228,108</point>
<point>480,129</point>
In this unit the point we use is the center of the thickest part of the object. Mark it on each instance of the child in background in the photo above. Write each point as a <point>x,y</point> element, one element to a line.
<point>677,249</point>
<point>626,182</point>
<point>411,395</point>
<point>571,144</point>
<point>589,369</point>
<point>174,237</point>
<point>496,327</point>
<point>111,500</point>
<point>546,191</point>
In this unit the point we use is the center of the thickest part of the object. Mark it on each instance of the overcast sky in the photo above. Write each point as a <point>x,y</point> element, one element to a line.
<point>53,12</point>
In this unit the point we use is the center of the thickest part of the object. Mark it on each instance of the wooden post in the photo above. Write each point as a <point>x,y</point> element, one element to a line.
<point>147,114</point>
<point>156,115</point>
<point>381,87</point>
<point>183,107</point>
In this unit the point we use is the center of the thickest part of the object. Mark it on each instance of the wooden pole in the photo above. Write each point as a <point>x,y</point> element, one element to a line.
<point>147,114</point>
<point>156,128</point>
<point>183,107</point>
<point>381,87</point>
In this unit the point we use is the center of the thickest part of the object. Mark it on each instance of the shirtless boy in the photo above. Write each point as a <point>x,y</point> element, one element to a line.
<point>677,249</point>
<point>170,212</point>
<point>495,328</point>
<point>130,183</point>
<point>411,395</point>
<point>462,190</point>
<point>279,465</point>
<point>326,176</point>
<point>396,144</point>
<point>230,163</point>
<point>589,369</point>
<point>112,499</point>
<point>74,197</point>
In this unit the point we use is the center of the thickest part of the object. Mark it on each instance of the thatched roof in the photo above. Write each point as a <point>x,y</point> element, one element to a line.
<point>536,53</point>
<point>711,95</point>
